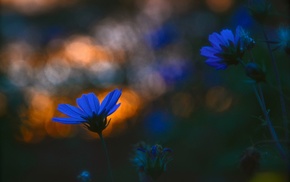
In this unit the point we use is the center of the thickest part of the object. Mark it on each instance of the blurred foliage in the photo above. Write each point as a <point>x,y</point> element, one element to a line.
<point>53,51</point>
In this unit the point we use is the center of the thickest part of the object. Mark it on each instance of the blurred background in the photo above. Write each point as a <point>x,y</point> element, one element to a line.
<point>53,51</point>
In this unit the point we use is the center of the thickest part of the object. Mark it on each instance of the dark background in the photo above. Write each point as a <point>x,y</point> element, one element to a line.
<point>53,51</point>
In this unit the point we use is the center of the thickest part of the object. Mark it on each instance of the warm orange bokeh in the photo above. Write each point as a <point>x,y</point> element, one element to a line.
<point>81,51</point>
<point>182,104</point>
<point>218,99</point>
<point>35,6</point>
<point>219,6</point>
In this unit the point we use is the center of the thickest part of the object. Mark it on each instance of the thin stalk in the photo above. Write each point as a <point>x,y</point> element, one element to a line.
<point>107,157</point>
<point>145,178</point>
<point>242,62</point>
<point>278,80</point>
<point>260,98</point>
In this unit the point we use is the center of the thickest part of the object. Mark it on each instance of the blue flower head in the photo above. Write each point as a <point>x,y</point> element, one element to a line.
<point>152,160</point>
<point>227,48</point>
<point>90,112</point>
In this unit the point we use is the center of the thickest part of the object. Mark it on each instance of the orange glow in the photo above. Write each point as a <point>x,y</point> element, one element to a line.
<point>40,108</point>
<point>219,6</point>
<point>26,134</point>
<point>35,6</point>
<point>58,130</point>
<point>37,117</point>
<point>17,51</point>
<point>218,99</point>
<point>30,135</point>
<point>182,104</point>
<point>64,131</point>
<point>81,51</point>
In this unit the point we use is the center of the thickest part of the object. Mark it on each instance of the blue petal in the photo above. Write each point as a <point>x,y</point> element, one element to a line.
<point>239,33</point>
<point>218,64</point>
<point>214,60</point>
<point>222,39</point>
<point>228,35</point>
<point>113,109</point>
<point>71,111</point>
<point>93,102</point>
<point>84,105</point>
<point>68,120</point>
<point>216,40</point>
<point>221,67</point>
<point>208,51</point>
<point>106,101</point>
<point>110,100</point>
<point>114,100</point>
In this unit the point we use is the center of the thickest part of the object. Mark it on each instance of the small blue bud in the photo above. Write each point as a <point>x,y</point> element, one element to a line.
<point>85,176</point>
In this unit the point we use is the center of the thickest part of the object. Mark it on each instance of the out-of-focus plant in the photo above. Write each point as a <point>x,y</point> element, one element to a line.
<point>151,161</point>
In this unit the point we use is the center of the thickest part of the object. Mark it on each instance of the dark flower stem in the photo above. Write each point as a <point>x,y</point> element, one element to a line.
<point>277,76</point>
<point>107,157</point>
<point>242,62</point>
<point>145,178</point>
<point>260,98</point>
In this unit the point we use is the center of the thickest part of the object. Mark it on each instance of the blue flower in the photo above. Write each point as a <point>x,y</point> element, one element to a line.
<point>90,112</point>
<point>226,49</point>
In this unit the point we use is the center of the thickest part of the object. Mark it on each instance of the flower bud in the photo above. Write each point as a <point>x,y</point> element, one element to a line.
<point>255,72</point>
<point>246,42</point>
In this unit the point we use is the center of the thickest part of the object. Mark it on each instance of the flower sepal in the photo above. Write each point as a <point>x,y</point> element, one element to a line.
<point>255,72</point>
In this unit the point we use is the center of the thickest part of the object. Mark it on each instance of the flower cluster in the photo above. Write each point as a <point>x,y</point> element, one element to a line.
<point>227,48</point>
<point>151,160</point>
<point>90,112</point>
